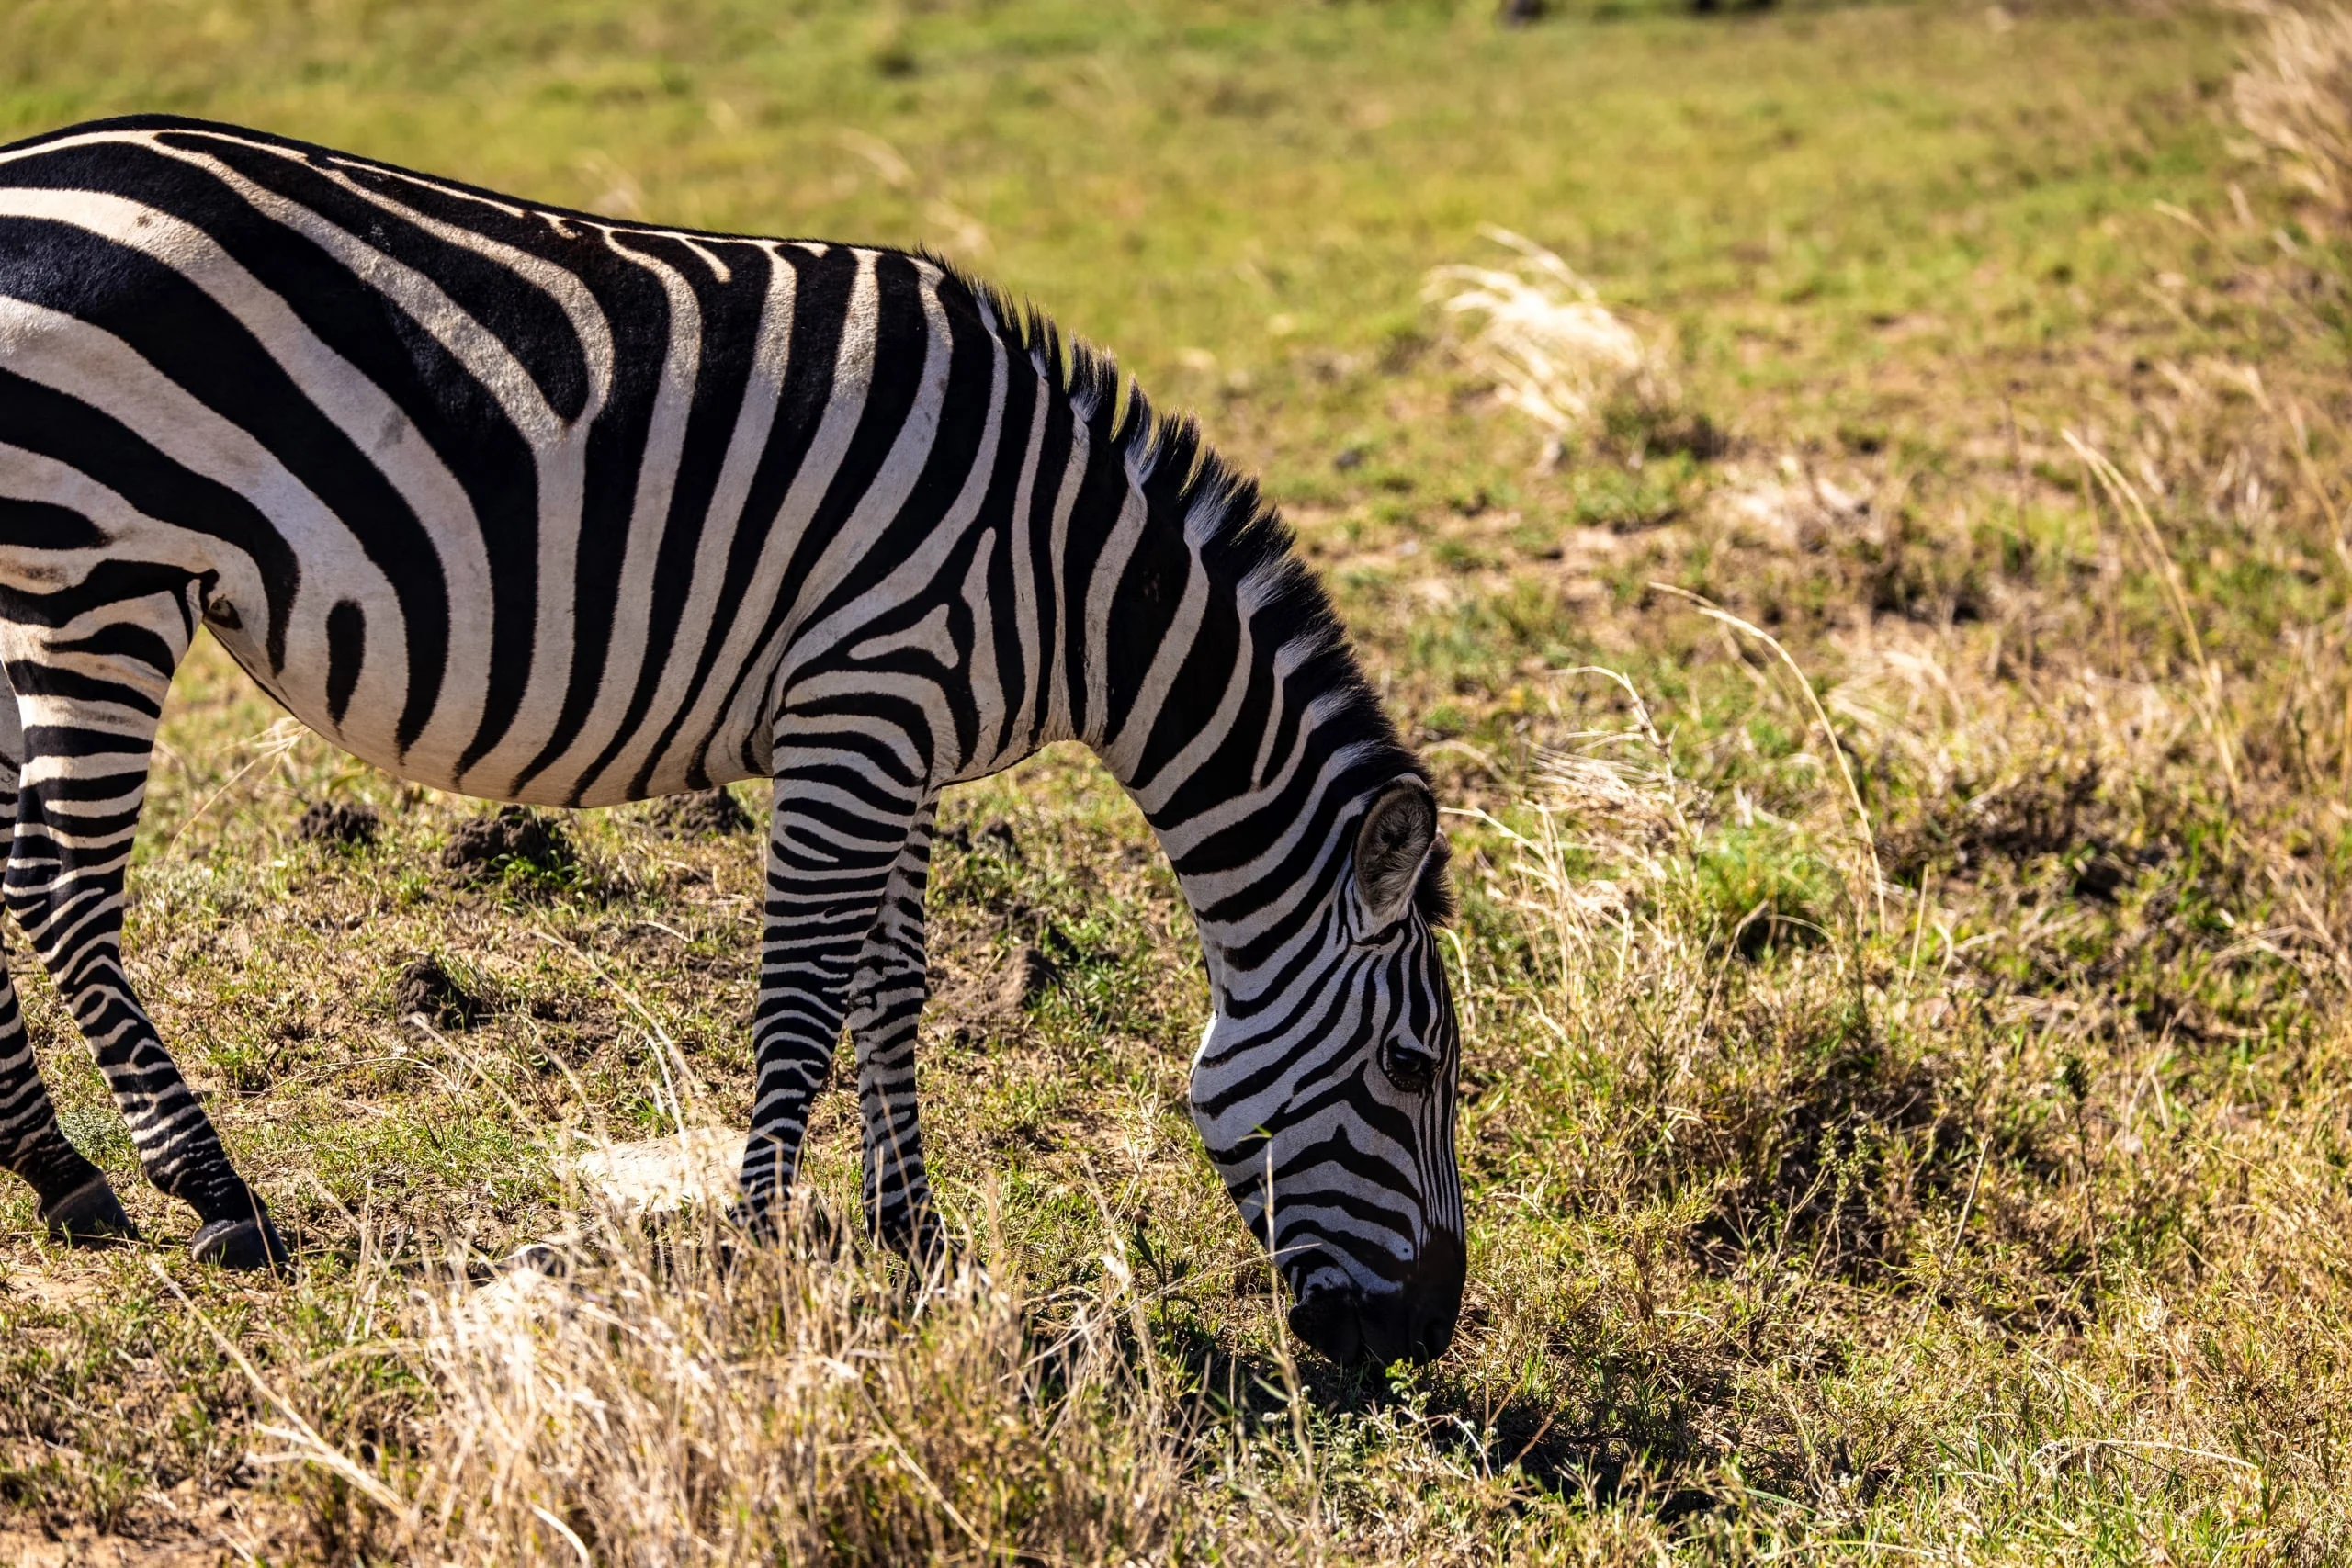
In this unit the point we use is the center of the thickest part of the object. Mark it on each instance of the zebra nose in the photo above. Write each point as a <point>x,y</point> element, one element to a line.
<point>1412,1322</point>
<point>1416,1320</point>
<point>1433,1293</point>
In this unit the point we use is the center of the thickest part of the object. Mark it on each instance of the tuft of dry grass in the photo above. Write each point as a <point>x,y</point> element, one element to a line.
<point>671,1397</point>
<point>1539,330</point>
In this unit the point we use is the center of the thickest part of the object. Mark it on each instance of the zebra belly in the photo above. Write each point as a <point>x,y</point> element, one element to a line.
<point>737,750</point>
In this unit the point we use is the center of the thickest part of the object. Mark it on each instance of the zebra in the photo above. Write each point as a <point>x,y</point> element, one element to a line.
<point>539,506</point>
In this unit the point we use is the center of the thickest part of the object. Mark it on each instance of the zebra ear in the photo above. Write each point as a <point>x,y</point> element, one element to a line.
<point>1392,845</point>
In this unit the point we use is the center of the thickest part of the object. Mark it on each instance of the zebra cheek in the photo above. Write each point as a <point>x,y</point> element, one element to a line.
<point>1200,1052</point>
<point>1221,1122</point>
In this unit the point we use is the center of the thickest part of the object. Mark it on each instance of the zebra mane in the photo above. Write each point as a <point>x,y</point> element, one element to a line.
<point>1186,484</point>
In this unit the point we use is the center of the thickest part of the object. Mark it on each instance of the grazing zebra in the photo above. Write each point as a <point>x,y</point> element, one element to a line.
<point>539,506</point>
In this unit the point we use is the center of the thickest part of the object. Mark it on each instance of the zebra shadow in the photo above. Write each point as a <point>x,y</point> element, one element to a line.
<point>1617,1444</point>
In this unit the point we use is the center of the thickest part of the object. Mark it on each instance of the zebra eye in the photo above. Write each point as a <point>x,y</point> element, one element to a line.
<point>1409,1064</point>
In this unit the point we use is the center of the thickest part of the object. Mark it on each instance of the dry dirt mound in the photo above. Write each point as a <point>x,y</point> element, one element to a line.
<point>707,814</point>
<point>333,822</point>
<point>427,988</point>
<point>513,835</point>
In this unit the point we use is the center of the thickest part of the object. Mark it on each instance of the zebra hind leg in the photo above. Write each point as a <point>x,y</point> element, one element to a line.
<point>77,1202</point>
<point>90,691</point>
<point>886,1002</point>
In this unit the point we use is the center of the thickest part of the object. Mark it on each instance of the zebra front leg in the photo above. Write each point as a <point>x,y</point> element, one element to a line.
<point>888,998</point>
<point>77,1202</point>
<point>89,693</point>
<point>839,823</point>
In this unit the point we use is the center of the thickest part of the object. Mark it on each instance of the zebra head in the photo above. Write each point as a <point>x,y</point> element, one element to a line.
<point>1325,1092</point>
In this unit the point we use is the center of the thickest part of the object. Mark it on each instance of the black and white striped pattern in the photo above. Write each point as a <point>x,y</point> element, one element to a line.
<point>540,507</point>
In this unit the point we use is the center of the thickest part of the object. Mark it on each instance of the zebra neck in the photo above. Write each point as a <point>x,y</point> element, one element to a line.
<point>1195,652</point>
<point>1235,714</point>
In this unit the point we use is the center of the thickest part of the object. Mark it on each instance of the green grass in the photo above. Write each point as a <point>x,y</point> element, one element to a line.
<point>1994,1215</point>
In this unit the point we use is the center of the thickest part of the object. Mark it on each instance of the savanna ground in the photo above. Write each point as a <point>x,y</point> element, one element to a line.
<point>1948,1166</point>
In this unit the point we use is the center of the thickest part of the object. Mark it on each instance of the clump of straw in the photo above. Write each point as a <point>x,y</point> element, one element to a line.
<point>1539,330</point>
<point>676,1399</point>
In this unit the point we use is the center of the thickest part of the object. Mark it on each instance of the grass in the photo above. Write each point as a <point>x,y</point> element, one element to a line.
<point>1992,1213</point>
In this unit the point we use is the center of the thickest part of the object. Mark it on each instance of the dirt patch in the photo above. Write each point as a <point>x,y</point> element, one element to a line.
<point>427,988</point>
<point>974,1001</point>
<point>57,1288</point>
<point>85,1548</point>
<point>184,1531</point>
<point>513,835</point>
<point>707,814</point>
<point>1027,975</point>
<point>336,823</point>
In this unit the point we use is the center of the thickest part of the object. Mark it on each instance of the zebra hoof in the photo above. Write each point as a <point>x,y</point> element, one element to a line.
<point>760,1224</point>
<point>919,1240</point>
<point>89,1215</point>
<point>799,1222</point>
<point>242,1245</point>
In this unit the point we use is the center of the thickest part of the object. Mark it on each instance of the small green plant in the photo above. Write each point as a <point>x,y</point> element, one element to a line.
<point>1763,887</point>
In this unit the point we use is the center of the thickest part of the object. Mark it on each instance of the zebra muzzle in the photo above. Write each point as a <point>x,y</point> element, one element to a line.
<point>1413,1323</point>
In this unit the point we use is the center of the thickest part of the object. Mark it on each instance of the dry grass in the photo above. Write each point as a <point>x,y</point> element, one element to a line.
<point>1554,352</point>
<point>666,1397</point>
<point>676,1400</point>
<point>2296,97</point>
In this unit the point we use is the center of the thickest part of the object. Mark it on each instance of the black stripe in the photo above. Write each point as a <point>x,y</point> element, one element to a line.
<point>347,647</point>
<point>40,525</point>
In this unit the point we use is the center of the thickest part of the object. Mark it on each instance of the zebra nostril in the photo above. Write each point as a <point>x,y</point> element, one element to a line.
<point>1332,1322</point>
<point>1435,1288</point>
<point>1434,1332</point>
